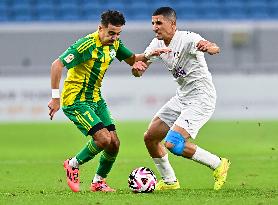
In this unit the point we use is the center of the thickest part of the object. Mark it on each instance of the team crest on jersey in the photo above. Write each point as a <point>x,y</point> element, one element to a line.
<point>69,58</point>
<point>112,53</point>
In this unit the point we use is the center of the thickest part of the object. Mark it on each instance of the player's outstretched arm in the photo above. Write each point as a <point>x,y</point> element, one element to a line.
<point>156,52</point>
<point>137,71</point>
<point>136,57</point>
<point>140,62</point>
<point>209,47</point>
<point>56,73</point>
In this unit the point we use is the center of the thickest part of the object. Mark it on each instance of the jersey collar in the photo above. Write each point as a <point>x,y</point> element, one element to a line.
<point>174,38</point>
<point>96,36</point>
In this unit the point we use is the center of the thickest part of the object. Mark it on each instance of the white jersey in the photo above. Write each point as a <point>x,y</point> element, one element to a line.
<point>187,65</point>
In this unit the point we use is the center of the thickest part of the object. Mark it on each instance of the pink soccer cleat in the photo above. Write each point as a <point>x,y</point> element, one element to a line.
<point>101,186</point>
<point>72,176</point>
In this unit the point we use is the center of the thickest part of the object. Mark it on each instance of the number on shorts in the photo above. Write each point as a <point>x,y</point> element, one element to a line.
<point>89,115</point>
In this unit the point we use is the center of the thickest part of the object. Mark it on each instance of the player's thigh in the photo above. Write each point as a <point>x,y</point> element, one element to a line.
<point>168,114</point>
<point>105,116</point>
<point>163,120</point>
<point>83,116</point>
<point>157,130</point>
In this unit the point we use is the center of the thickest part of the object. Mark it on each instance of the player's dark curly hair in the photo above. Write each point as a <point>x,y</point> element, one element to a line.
<point>115,18</point>
<point>166,12</point>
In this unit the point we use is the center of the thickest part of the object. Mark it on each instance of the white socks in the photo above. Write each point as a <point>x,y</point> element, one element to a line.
<point>165,169</point>
<point>97,178</point>
<point>74,163</point>
<point>206,158</point>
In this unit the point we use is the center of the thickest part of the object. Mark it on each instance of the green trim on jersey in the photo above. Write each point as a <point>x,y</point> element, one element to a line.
<point>87,61</point>
<point>123,53</point>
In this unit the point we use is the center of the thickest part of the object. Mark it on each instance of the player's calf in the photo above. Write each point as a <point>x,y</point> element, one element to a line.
<point>175,142</point>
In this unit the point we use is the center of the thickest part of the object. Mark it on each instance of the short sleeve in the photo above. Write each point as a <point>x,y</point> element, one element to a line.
<point>195,38</point>
<point>77,53</point>
<point>123,52</point>
<point>153,45</point>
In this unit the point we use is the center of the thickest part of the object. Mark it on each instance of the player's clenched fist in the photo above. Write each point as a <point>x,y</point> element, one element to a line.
<point>206,46</point>
<point>139,68</point>
<point>203,45</point>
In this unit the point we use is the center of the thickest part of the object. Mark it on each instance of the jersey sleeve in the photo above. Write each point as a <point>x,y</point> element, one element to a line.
<point>77,53</point>
<point>123,52</point>
<point>195,38</point>
<point>153,45</point>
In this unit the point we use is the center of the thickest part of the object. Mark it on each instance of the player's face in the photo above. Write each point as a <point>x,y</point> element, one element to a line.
<point>109,34</point>
<point>164,28</point>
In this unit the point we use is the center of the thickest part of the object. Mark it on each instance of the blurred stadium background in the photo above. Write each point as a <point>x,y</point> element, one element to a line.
<point>33,33</point>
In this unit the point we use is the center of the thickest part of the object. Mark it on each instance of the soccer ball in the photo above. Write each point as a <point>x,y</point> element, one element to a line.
<point>142,180</point>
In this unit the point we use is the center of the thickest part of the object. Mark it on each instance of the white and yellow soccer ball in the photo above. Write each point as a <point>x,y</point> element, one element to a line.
<point>142,180</point>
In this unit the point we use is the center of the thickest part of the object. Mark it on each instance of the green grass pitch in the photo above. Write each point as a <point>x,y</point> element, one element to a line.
<point>31,157</point>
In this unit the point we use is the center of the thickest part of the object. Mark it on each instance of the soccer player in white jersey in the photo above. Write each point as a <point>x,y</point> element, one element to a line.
<point>183,115</point>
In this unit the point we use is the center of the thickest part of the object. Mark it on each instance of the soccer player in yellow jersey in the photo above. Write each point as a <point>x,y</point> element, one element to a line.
<point>87,61</point>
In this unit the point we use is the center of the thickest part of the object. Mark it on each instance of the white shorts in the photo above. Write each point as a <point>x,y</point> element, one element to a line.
<point>190,114</point>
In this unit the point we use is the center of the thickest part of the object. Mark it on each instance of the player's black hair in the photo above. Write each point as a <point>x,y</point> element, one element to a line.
<point>115,18</point>
<point>166,12</point>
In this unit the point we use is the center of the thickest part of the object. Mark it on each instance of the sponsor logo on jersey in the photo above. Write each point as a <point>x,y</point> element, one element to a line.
<point>112,53</point>
<point>69,58</point>
<point>179,72</point>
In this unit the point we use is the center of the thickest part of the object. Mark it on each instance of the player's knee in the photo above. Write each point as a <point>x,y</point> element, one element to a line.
<point>175,142</point>
<point>104,141</point>
<point>115,144</point>
<point>152,136</point>
<point>102,138</point>
<point>148,137</point>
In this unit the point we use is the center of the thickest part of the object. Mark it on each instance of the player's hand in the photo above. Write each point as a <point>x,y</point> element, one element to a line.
<point>139,68</point>
<point>203,45</point>
<point>54,106</point>
<point>206,46</point>
<point>157,52</point>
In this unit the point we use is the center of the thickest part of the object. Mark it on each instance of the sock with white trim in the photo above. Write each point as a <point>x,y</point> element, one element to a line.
<point>97,178</point>
<point>74,163</point>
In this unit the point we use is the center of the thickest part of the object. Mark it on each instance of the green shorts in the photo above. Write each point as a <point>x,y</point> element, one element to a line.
<point>90,117</point>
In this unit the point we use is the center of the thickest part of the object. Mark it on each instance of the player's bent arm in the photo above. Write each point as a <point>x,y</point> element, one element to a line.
<point>145,57</point>
<point>131,60</point>
<point>207,46</point>
<point>134,58</point>
<point>143,60</point>
<point>140,62</point>
<point>140,57</point>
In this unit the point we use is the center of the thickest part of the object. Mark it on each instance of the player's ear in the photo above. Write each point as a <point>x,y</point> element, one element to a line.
<point>173,26</point>
<point>100,27</point>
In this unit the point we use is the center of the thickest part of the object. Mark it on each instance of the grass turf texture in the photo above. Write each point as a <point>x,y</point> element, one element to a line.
<point>31,157</point>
